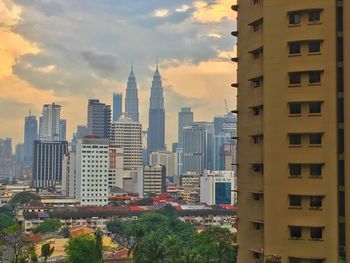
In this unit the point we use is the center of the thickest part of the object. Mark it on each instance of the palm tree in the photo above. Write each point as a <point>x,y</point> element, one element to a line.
<point>46,251</point>
<point>98,247</point>
<point>139,234</point>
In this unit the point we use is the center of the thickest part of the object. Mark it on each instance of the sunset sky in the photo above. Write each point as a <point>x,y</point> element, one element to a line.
<point>67,51</point>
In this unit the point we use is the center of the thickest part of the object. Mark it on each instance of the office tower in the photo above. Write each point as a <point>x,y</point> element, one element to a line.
<point>217,188</point>
<point>117,106</point>
<point>185,118</point>
<point>127,133</point>
<point>197,147</point>
<point>154,179</point>
<point>50,123</point>
<point>81,132</point>
<point>30,135</point>
<point>168,159</point>
<point>92,171</point>
<point>293,106</point>
<point>156,121</point>
<point>47,163</point>
<point>131,98</point>
<point>7,160</point>
<point>19,160</point>
<point>63,130</point>
<point>224,134</point>
<point>69,175</point>
<point>99,119</point>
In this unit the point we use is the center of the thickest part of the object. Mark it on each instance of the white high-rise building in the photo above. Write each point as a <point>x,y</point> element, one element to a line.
<point>69,174</point>
<point>50,123</point>
<point>92,163</point>
<point>127,134</point>
<point>168,159</point>
<point>116,172</point>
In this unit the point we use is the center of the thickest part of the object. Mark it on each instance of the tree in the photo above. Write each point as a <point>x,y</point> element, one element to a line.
<point>138,239</point>
<point>23,198</point>
<point>12,238</point>
<point>49,225</point>
<point>98,247</point>
<point>6,221</point>
<point>116,226</point>
<point>65,232</point>
<point>46,251</point>
<point>80,249</point>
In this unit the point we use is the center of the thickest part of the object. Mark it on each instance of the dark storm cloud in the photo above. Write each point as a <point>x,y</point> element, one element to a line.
<point>105,64</point>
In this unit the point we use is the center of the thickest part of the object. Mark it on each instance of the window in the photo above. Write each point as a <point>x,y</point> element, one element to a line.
<point>294,18</point>
<point>315,47</point>
<point>294,78</point>
<point>257,167</point>
<point>257,225</point>
<point>256,196</point>
<point>257,139</point>
<point>314,77</point>
<point>315,107</point>
<point>256,27</point>
<point>295,200</point>
<point>294,260</point>
<point>294,48</point>
<point>316,232</point>
<point>315,169</point>
<point>256,83</point>
<point>294,108</point>
<point>295,232</point>
<point>256,2</point>
<point>295,170</point>
<point>294,139</point>
<point>316,201</point>
<point>315,138</point>
<point>316,260</point>
<point>256,111</point>
<point>314,16</point>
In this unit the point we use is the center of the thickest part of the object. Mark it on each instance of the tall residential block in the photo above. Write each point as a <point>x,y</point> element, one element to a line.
<point>47,163</point>
<point>50,123</point>
<point>154,179</point>
<point>99,118</point>
<point>117,106</point>
<point>156,120</point>
<point>168,159</point>
<point>63,130</point>
<point>127,133</point>
<point>30,135</point>
<point>92,171</point>
<point>293,128</point>
<point>131,98</point>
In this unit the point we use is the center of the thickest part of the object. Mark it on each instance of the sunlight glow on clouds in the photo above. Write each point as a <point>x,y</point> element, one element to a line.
<point>215,12</point>
<point>161,12</point>
<point>182,8</point>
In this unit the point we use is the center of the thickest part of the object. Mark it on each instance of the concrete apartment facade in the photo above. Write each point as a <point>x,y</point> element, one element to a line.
<point>293,124</point>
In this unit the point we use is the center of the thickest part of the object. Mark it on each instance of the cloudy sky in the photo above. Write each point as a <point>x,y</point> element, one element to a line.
<point>67,51</point>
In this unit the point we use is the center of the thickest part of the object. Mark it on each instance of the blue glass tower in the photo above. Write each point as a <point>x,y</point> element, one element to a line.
<point>117,106</point>
<point>156,120</point>
<point>131,98</point>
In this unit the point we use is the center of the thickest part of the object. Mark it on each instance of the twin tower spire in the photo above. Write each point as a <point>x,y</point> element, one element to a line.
<point>156,120</point>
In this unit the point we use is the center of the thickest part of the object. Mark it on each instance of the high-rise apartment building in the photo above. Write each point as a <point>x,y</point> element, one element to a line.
<point>69,175</point>
<point>47,163</point>
<point>99,118</point>
<point>30,135</point>
<point>92,171</point>
<point>156,121</point>
<point>50,123</point>
<point>293,106</point>
<point>117,106</point>
<point>127,134</point>
<point>154,179</point>
<point>197,147</point>
<point>131,98</point>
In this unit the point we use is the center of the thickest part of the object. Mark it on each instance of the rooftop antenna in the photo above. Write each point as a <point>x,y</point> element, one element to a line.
<point>157,62</point>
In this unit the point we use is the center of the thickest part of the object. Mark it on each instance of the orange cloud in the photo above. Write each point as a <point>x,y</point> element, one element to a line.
<point>213,12</point>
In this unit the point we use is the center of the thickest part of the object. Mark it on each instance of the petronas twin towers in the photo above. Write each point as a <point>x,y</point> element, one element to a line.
<point>156,120</point>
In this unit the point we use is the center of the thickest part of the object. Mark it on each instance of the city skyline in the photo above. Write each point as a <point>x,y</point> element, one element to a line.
<point>41,74</point>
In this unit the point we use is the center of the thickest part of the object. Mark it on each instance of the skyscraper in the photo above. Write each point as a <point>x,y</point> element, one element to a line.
<point>50,123</point>
<point>30,135</point>
<point>81,132</point>
<point>185,118</point>
<point>127,133</point>
<point>156,126</point>
<point>293,130</point>
<point>154,179</point>
<point>99,119</point>
<point>63,130</point>
<point>47,163</point>
<point>131,98</point>
<point>117,106</point>
<point>197,147</point>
